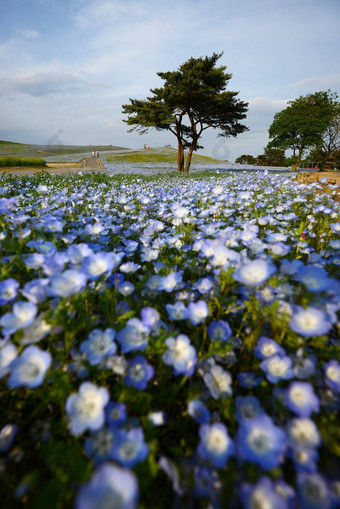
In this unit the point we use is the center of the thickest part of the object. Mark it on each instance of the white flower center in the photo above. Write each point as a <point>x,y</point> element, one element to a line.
<point>259,441</point>
<point>216,441</point>
<point>333,373</point>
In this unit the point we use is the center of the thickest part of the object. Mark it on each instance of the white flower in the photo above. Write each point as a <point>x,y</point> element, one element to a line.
<point>86,408</point>
<point>255,273</point>
<point>218,382</point>
<point>304,433</point>
<point>22,315</point>
<point>197,312</point>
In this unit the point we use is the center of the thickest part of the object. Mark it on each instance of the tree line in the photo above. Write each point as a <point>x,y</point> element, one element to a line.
<point>195,98</point>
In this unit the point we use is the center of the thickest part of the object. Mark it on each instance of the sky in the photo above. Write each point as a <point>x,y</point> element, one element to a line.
<point>68,66</point>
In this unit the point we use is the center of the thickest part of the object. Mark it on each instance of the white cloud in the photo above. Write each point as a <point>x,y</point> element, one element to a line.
<point>315,83</point>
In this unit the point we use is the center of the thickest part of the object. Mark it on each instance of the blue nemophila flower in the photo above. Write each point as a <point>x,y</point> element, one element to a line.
<point>248,379</point>
<point>139,372</point>
<point>313,492</point>
<point>130,447</point>
<point>207,483</point>
<point>176,311</point>
<point>267,347</point>
<point>255,272</point>
<point>291,267</point>
<point>335,227</point>
<point>171,282</point>
<point>22,315</point>
<point>215,444</point>
<point>197,312</point>
<point>115,413</point>
<point>68,283</point>
<point>303,433</point>
<point>248,407</point>
<point>29,369</point>
<point>77,252</point>
<point>36,290</point>
<point>134,336</point>
<point>260,441</point>
<point>110,486</point>
<point>219,330</point>
<point>37,330</point>
<point>8,290</point>
<point>301,399</point>
<point>7,434</point>
<point>198,411</point>
<point>181,355</point>
<point>305,460</point>
<point>99,445</point>
<point>126,288</point>
<point>278,367</point>
<point>262,495</point>
<point>315,279</point>
<point>218,381</point>
<point>332,375</point>
<point>85,409</point>
<point>8,352</point>
<point>98,264</point>
<point>150,318</point>
<point>94,229</point>
<point>309,322</point>
<point>100,344</point>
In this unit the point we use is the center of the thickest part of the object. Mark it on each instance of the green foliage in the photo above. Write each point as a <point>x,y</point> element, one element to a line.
<point>272,157</point>
<point>10,161</point>
<point>302,124</point>
<point>193,99</point>
<point>246,159</point>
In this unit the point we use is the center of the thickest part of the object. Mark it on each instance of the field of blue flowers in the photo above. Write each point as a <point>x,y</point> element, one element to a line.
<point>169,341</point>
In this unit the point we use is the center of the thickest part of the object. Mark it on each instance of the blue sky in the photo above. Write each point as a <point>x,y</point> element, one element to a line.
<point>67,66</point>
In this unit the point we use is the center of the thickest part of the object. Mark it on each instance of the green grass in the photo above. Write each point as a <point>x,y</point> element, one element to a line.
<point>156,156</point>
<point>8,148</point>
<point>11,161</point>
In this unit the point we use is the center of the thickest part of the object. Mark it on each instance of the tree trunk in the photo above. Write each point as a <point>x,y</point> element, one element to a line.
<point>297,164</point>
<point>188,161</point>
<point>180,156</point>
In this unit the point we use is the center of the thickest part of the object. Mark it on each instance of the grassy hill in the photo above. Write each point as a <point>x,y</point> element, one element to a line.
<point>164,155</point>
<point>9,148</point>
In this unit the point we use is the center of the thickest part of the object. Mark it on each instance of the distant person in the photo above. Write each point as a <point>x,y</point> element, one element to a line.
<point>97,153</point>
<point>92,153</point>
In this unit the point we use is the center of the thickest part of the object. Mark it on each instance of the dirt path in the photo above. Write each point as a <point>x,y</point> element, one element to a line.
<point>92,163</point>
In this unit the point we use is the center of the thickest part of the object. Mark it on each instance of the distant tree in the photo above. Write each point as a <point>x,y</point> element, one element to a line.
<point>303,123</point>
<point>271,157</point>
<point>192,99</point>
<point>246,159</point>
<point>326,151</point>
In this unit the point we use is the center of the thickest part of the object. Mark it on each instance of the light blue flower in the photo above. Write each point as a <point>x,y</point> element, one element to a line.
<point>215,444</point>
<point>29,369</point>
<point>332,375</point>
<point>150,318</point>
<point>110,486</point>
<point>99,445</point>
<point>85,409</point>
<point>278,367</point>
<point>267,347</point>
<point>255,272</point>
<point>171,282</point>
<point>134,336</point>
<point>100,344</point>
<point>260,441</point>
<point>98,264</point>
<point>262,495</point>
<point>115,413</point>
<point>248,379</point>
<point>301,399</point>
<point>68,283</point>
<point>197,312</point>
<point>7,434</point>
<point>139,373</point>
<point>181,355</point>
<point>248,407</point>
<point>309,322</point>
<point>36,290</point>
<point>313,491</point>
<point>8,290</point>
<point>219,330</point>
<point>130,447</point>
<point>315,279</point>
<point>8,352</point>
<point>198,411</point>
<point>176,311</point>
<point>22,315</point>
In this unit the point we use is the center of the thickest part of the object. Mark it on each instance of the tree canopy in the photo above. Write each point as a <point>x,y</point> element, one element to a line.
<point>303,123</point>
<point>193,98</point>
